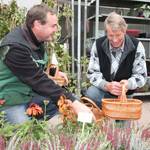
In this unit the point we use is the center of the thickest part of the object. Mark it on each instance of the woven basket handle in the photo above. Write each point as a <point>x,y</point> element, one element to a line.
<point>123,97</point>
<point>89,102</point>
<point>94,108</point>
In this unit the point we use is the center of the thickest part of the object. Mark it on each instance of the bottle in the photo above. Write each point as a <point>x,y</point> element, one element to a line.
<point>53,69</point>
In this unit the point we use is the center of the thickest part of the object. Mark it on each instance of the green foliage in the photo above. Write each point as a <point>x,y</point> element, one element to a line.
<point>84,66</point>
<point>63,57</point>
<point>10,17</point>
<point>33,129</point>
<point>33,134</point>
<point>84,62</point>
<point>50,3</point>
<point>66,11</point>
<point>106,135</point>
<point>6,129</point>
<point>72,83</point>
<point>62,54</point>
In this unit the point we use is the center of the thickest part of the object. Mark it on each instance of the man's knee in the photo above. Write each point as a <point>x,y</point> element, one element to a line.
<point>95,94</point>
<point>49,109</point>
<point>16,114</point>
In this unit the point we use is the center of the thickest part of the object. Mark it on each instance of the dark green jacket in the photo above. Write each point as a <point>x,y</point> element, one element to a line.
<point>22,64</point>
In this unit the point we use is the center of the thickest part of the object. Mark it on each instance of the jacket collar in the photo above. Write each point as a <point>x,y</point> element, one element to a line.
<point>128,47</point>
<point>30,37</point>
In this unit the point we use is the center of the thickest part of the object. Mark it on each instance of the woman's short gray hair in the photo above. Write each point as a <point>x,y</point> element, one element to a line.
<point>116,22</point>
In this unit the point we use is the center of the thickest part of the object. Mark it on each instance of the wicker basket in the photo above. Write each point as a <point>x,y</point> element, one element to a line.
<point>94,108</point>
<point>122,108</point>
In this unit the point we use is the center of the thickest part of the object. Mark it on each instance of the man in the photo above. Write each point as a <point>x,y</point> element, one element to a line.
<point>22,63</point>
<point>115,59</point>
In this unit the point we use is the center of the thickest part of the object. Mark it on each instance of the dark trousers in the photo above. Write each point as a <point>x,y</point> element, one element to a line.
<point>49,110</point>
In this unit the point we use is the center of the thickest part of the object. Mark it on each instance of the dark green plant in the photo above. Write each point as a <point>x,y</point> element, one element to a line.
<point>10,17</point>
<point>84,66</point>
<point>51,3</point>
<point>57,46</point>
<point>6,131</point>
<point>33,133</point>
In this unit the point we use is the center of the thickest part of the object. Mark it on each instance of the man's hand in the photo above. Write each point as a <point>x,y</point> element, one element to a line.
<point>63,75</point>
<point>114,88</point>
<point>60,78</point>
<point>79,107</point>
<point>70,109</point>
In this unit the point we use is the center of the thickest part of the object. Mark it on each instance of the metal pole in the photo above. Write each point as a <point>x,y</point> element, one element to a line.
<point>85,27</point>
<point>97,19</point>
<point>72,39</point>
<point>84,36</point>
<point>79,47</point>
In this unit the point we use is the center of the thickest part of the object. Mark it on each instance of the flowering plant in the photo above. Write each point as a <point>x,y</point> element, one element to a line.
<point>33,133</point>
<point>34,110</point>
<point>106,135</point>
<point>6,131</point>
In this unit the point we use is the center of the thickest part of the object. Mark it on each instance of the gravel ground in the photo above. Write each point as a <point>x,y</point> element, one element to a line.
<point>145,118</point>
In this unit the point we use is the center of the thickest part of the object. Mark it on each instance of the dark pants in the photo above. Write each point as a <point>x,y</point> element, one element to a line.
<point>49,110</point>
<point>16,114</point>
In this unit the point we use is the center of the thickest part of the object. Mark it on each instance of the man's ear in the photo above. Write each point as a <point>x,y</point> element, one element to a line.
<point>37,24</point>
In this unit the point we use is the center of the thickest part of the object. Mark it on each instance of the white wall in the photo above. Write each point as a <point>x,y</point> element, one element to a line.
<point>23,3</point>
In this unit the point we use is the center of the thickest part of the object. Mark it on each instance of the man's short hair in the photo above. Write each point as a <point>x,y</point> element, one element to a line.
<point>38,12</point>
<point>115,21</point>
